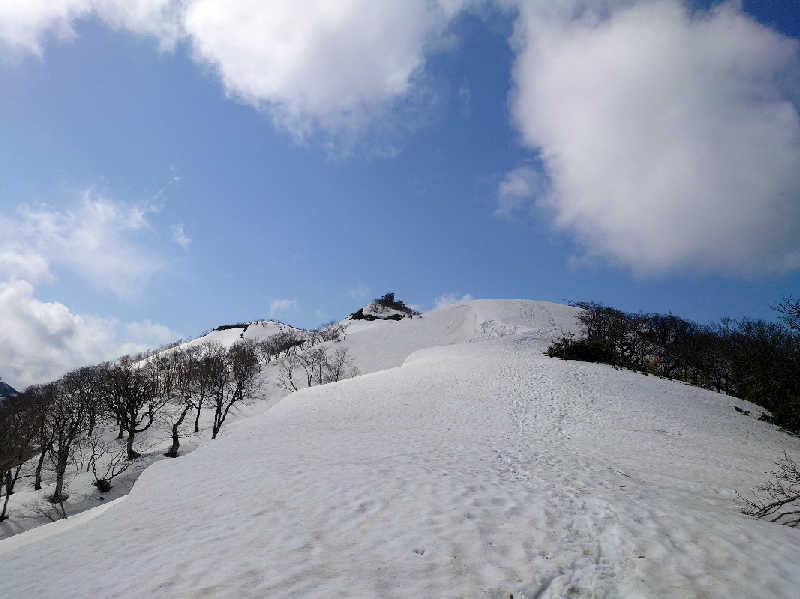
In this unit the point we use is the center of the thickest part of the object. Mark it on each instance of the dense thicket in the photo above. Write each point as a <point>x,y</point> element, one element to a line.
<point>754,360</point>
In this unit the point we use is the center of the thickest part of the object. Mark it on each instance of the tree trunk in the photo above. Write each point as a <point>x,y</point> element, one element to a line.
<point>58,494</point>
<point>173,451</point>
<point>92,422</point>
<point>197,417</point>
<point>132,455</point>
<point>121,429</point>
<point>5,479</point>
<point>10,480</point>
<point>37,483</point>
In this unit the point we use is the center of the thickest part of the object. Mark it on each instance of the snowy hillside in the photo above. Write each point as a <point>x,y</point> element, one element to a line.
<point>462,463</point>
<point>256,331</point>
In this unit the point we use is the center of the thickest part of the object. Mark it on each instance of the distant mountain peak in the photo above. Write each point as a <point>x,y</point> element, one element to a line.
<point>7,390</point>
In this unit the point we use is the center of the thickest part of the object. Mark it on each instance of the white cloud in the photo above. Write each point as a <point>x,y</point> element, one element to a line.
<point>180,237</point>
<point>24,24</point>
<point>313,66</point>
<point>450,299</point>
<point>19,263</point>
<point>518,189</point>
<point>670,139</point>
<point>318,64</point>
<point>99,239</point>
<point>279,306</point>
<point>39,341</point>
<point>158,18</point>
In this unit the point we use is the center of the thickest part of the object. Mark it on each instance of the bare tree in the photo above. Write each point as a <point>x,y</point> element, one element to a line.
<point>280,344</point>
<point>287,367</point>
<point>68,418</point>
<point>789,308</point>
<point>41,398</point>
<point>330,331</point>
<point>85,384</point>
<point>314,362</point>
<point>779,498</point>
<point>188,391</point>
<point>339,365</point>
<point>319,364</point>
<point>134,395</point>
<point>16,444</point>
<point>234,374</point>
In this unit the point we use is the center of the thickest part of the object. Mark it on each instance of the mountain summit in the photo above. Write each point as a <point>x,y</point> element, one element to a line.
<point>385,307</point>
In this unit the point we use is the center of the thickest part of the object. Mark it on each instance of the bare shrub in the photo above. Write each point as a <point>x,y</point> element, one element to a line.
<point>778,499</point>
<point>112,459</point>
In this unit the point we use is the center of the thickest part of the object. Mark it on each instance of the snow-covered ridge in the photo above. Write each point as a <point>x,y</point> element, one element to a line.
<point>466,464</point>
<point>256,331</point>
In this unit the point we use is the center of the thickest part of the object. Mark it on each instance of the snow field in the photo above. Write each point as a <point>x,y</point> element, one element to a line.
<point>475,469</point>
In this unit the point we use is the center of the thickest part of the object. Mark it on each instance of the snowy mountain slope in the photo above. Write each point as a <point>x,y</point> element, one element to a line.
<point>478,468</point>
<point>380,344</point>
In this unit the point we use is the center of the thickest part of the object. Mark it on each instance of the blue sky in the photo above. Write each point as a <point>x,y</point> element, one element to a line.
<point>168,167</point>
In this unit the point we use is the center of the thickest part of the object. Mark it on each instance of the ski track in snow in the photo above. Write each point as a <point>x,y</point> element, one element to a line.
<point>475,469</point>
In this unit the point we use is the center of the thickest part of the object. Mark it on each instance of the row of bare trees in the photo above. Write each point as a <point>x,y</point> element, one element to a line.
<point>317,366</point>
<point>49,423</point>
<point>67,421</point>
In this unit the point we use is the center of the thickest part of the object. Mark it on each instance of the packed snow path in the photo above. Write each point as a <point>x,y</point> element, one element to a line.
<point>474,470</point>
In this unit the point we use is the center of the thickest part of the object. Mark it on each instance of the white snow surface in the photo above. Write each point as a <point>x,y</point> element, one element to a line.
<point>464,464</point>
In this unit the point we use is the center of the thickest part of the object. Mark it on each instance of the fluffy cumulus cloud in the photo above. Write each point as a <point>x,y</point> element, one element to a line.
<point>101,241</point>
<point>318,64</point>
<point>315,65</point>
<point>39,341</point>
<point>670,138</point>
<point>98,238</point>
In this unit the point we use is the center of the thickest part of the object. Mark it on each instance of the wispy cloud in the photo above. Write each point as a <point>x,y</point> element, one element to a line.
<point>280,306</point>
<point>104,241</point>
<point>359,291</point>
<point>180,237</point>
<point>450,299</point>
<point>518,191</point>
